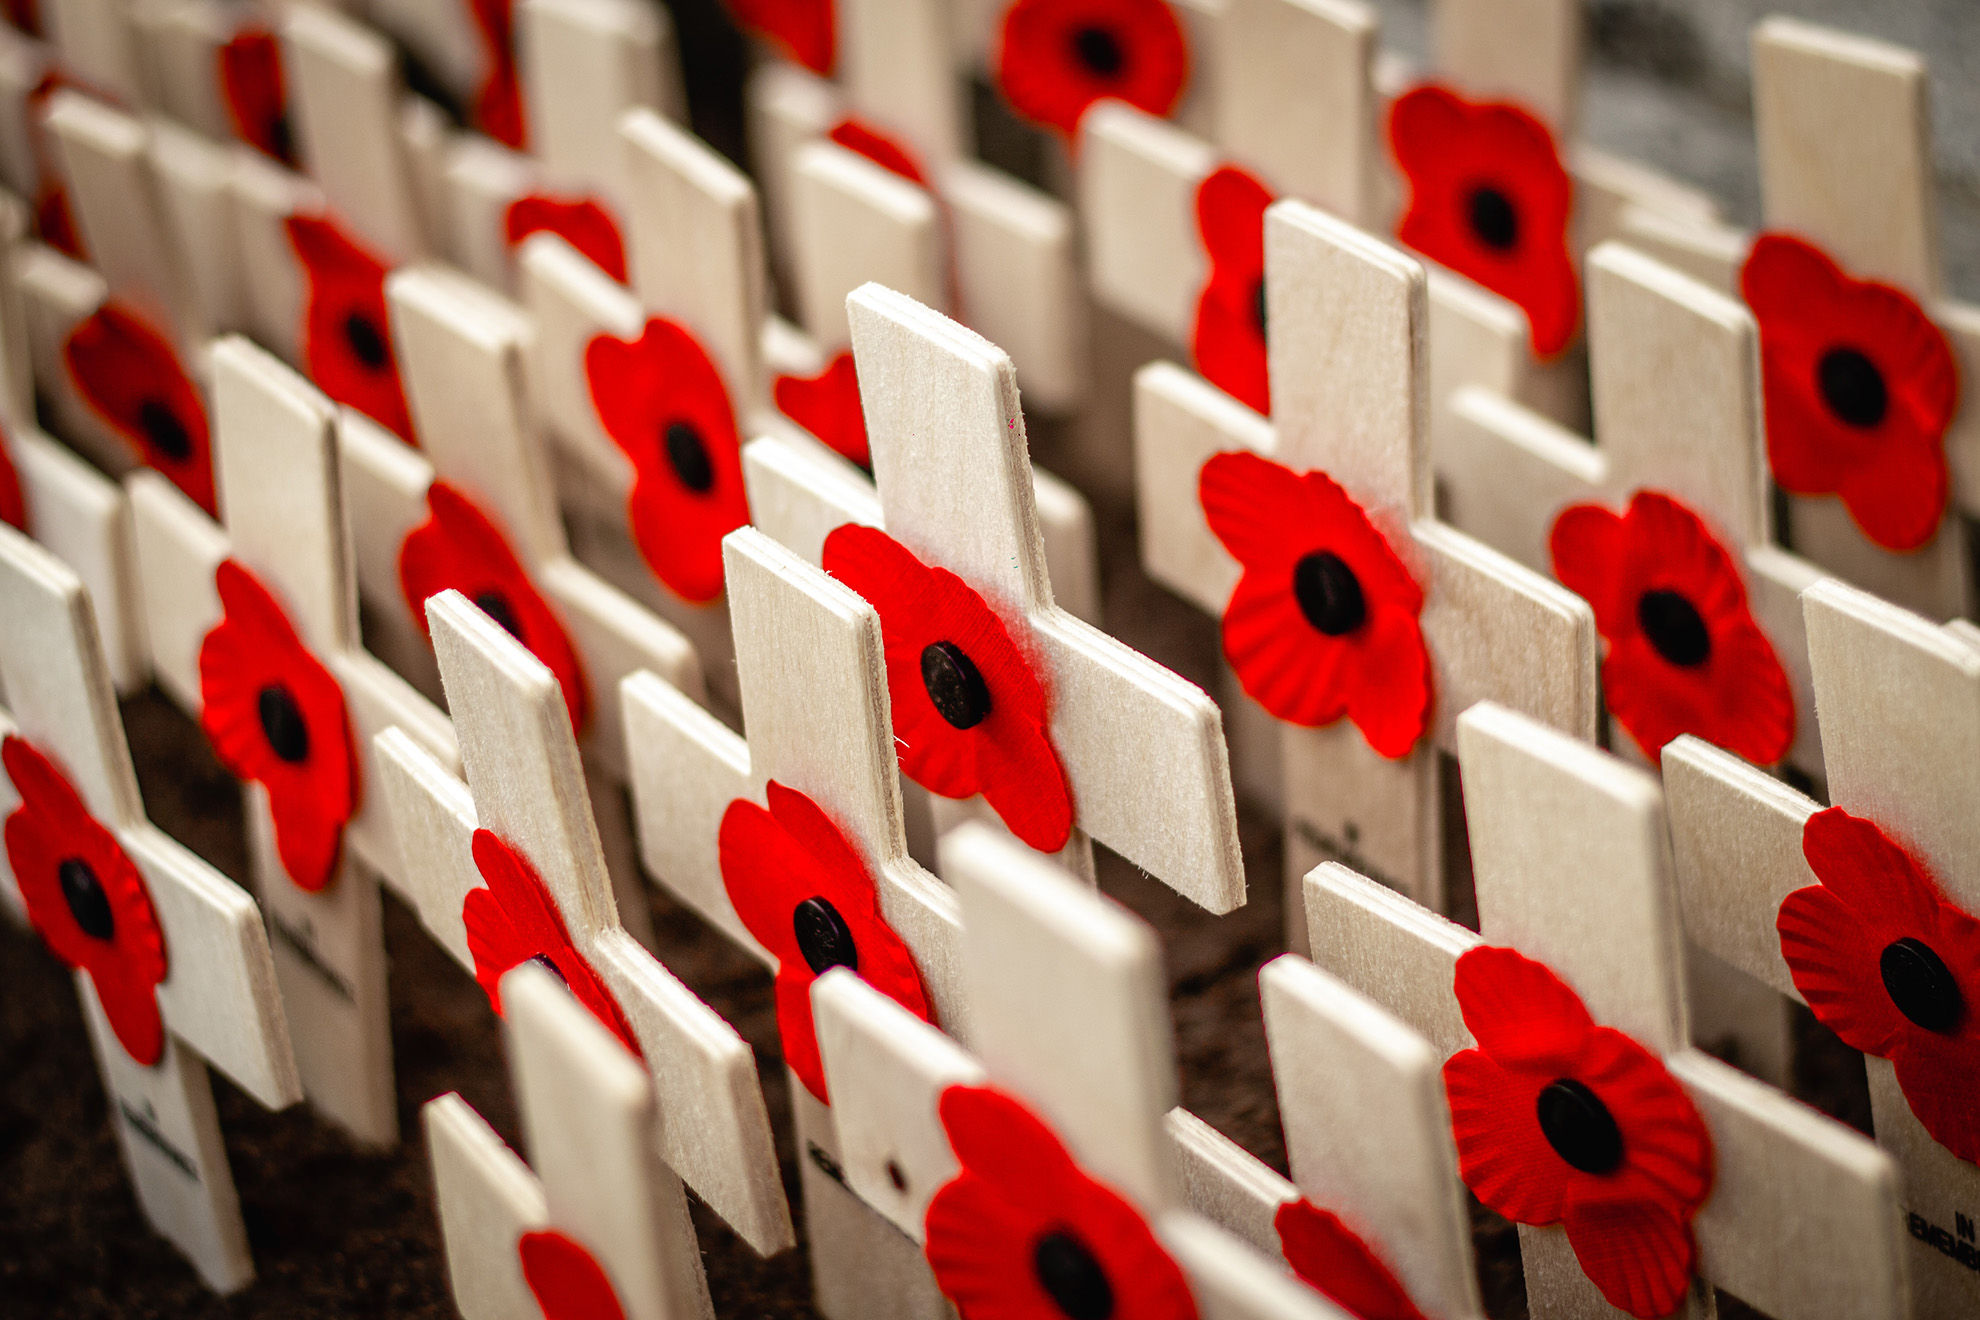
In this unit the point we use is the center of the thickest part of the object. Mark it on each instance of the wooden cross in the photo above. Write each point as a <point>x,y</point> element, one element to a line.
<point>1801,1215</point>
<point>1900,705</point>
<point>215,991</point>
<point>276,457</point>
<point>525,784</point>
<point>596,1192</point>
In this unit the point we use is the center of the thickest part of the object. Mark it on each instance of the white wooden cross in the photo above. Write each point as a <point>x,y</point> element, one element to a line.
<point>276,456</point>
<point>525,784</point>
<point>216,995</point>
<point>1572,866</point>
<point>1900,705</point>
<point>596,1191</point>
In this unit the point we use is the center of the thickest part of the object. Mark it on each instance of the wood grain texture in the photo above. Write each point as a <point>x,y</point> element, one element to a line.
<point>84,519</point>
<point>584,63</point>
<point>1137,199</point>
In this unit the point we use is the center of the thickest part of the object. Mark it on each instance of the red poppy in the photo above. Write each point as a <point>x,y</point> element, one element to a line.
<point>1228,339</point>
<point>1489,198</point>
<point>55,223</point>
<point>1326,620</point>
<point>1891,967</point>
<point>803,892</point>
<point>969,712</point>
<point>275,715</point>
<point>582,222</point>
<point>1022,1232</point>
<point>347,333</point>
<point>1684,654</point>
<point>566,1280</point>
<point>1055,58</point>
<point>857,136</point>
<point>1330,1256</point>
<point>1561,1121</point>
<point>827,405</point>
<point>1860,388</point>
<point>130,377</point>
<point>513,920</point>
<point>498,106</point>
<point>252,85</point>
<point>13,506</point>
<point>25,15</point>
<point>662,401</point>
<point>802,30</point>
<point>86,898</point>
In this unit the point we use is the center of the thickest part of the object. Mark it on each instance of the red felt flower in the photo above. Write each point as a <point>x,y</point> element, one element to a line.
<point>514,920</point>
<point>1022,1233</point>
<point>1489,198</point>
<point>882,150</point>
<point>347,334</point>
<point>1330,1256</point>
<point>275,715</point>
<point>13,506</point>
<point>1891,967</point>
<point>662,401</point>
<point>1325,621</point>
<point>1684,655</point>
<point>1860,387</point>
<point>969,712</point>
<point>802,30</point>
<point>566,1280</point>
<point>582,222</point>
<point>255,92</point>
<point>86,898</point>
<point>1228,339</point>
<point>498,105</point>
<point>1561,1121</point>
<point>129,375</point>
<point>803,892</point>
<point>827,405</point>
<point>1055,58</point>
<point>55,223</point>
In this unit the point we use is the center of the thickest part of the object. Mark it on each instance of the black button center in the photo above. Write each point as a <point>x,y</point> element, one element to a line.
<point>282,723</point>
<point>1852,387</point>
<point>543,960</point>
<point>1493,219</point>
<point>282,137</point>
<point>823,936</point>
<point>1579,1126</point>
<point>689,457</point>
<point>162,427</point>
<point>1258,310</point>
<point>1329,594</point>
<point>367,344</point>
<point>1099,50</point>
<point>496,606</point>
<point>88,904</point>
<point>1071,1277</point>
<point>1921,985</point>
<point>1674,628</point>
<point>955,685</point>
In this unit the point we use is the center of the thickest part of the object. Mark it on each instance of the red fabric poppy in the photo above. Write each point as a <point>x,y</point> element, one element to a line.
<point>55,223</point>
<point>1326,620</point>
<point>498,104</point>
<point>566,1280</point>
<point>806,896</point>
<point>13,505</point>
<point>1489,198</point>
<point>347,333</point>
<point>857,136</point>
<point>275,715</point>
<point>969,711</point>
<point>1022,1233</point>
<point>1331,1257</point>
<point>800,30</point>
<point>662,401</point>
<point>1860,388</point>
<point>1891,967</point>
<point>1055,58</point>
<point>459,547</point>
<point>582,222</point>
<point>86,898</point>
<point>1561,1121</point>
<point>514,920</point>
<point>827,405</point>
<point>1684,654</point>
<point>1228,339</point>
<point>129,375</point>
<point>255,92</point>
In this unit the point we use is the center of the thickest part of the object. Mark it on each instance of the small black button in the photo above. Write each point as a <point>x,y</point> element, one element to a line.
<point>1852,387</point>
<point>1579,1126</point>
<point>496,606</point>
<point>88,904</point>
<point>282,724</point>
<point>1921,985</point>
<point>1675,630</point>
<point>1099,50</point>
<point>1329,594</point>
<point>1071,1277</point>
<point>823,936</point>
<point>955,685</point>
<point>1493,219</point>
<point>688,456</point>
<point>367,344</point>
<point>161,426</point>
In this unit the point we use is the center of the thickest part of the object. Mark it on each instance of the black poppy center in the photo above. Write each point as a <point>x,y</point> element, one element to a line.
<point>1920,984</point>
<point>1852,387</point>
<point>1493,219</point>
<point>1579,1126</point>
<point>689,457</point>
<point>1329,594</point>
<point>88,904</point>
<point>823,936</point>
<point>496,606</point>
<point>1071,1277</point>
<point>282,723</point>
<point>1099,50</point>
<point>162,427</point>
<point>543,960</point>
<point>955,685</point>
<point>1674,627</point>
<point>366,342</point>
<point>1258,307</point>
<point>281,137</point>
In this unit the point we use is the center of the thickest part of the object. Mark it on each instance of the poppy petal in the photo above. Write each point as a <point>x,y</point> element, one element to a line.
<point>1641,1256</point>
<point>583,222</point>
<point>130,376</point>
<point>1330,1256</point>
<point>1055,58</point>
<point>827,405</point>
<point>566,1280</point>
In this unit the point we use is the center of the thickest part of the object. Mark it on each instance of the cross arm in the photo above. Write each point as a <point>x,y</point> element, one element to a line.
<point>854,221</point>
<point>1396,952</point>
<point>572,302</point>
<point>84,518</point>
<point>178,550</point>
<point>1233,1282</point>
<point>1511,471</point>
<point>263,196</point>
<point>1138,177</point>
<point>1225,1183</point>
<point>434,820</point>
<point>798,493</point>
<point>488,1199</point>
<point>1180,421</point>
<point>104,159</point>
